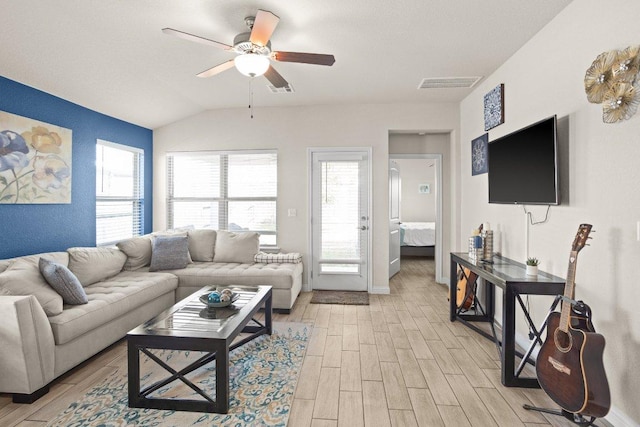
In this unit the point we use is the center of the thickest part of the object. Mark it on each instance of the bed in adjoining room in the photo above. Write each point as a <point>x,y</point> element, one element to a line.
<point>417,238</point>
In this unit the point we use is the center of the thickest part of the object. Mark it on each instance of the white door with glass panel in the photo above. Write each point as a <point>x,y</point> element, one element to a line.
<point>340,220</point>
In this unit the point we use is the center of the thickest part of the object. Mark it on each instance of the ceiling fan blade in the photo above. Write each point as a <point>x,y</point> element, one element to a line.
<point>263,27</point>
<point>275,78</point>
<point>198,39</point>
<point>217,69</point>
<point>305,58</point>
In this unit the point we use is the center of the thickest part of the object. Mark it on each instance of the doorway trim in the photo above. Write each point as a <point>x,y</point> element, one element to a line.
<point>310,152</point>
<point>439,188</point>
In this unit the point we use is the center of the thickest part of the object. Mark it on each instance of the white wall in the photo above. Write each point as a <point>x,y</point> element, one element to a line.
<point>415,206</point>
<point>599,179</point>
<point>291,131</point>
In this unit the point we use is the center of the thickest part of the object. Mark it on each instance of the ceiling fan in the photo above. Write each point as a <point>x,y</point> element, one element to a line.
<point>254,50</point>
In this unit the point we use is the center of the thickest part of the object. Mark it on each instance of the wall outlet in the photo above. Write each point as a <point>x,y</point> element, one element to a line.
<point>294,212</point>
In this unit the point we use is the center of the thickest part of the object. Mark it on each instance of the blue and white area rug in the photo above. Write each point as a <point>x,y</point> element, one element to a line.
<point>263,376</point>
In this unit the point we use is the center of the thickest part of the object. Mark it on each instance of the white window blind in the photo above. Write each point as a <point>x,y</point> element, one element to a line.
<point>340,234</point>
<point>119,192</point>
<point>235,191</point>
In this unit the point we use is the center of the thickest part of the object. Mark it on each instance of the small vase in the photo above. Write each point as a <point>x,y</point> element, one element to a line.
<point>532,270</point>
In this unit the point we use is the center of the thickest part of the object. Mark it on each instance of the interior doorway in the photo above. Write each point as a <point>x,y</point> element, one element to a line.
<point>416,199</point>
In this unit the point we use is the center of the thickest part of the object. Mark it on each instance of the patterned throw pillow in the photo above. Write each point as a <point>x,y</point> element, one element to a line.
<point>267,258</point>
<point>63,281</point>
<point>169,253</point>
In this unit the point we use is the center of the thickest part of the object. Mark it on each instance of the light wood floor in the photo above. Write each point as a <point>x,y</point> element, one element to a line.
<point>397,362</point>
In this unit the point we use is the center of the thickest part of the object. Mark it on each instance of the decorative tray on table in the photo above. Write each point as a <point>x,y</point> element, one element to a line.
<point>218,303</point>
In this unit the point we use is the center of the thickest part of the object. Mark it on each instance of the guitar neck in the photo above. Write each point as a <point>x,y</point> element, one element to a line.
<point>569,291</point>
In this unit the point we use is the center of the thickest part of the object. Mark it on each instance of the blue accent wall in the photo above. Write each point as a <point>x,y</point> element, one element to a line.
<point>30,229</point>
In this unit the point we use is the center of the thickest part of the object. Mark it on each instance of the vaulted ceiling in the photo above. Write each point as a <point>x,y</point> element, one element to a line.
<point>111,56</point>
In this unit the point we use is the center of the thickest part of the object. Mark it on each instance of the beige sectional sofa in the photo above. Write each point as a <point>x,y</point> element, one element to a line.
<point>42,338</point>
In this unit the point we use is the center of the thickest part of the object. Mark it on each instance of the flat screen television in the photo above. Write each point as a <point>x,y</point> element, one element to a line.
<point>523,166</point>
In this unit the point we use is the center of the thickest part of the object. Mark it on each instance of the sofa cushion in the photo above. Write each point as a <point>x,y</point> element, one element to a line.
<point>63,281</point>
<point>4,264</point>
<point>236,247</point>
<point>169,252</point>
<point>23,277</point>
<point>201,244</point>
<point>138,251</point>
<point>108,300</point>
<point>200,274</point>
<point>91,265</point>
<point>59,257</point>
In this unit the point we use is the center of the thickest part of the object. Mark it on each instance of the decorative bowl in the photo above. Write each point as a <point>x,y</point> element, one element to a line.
<point>204,298</point>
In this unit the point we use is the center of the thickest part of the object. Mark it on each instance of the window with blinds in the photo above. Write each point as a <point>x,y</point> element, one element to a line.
<point>231,190</point>
<point>119,192</point>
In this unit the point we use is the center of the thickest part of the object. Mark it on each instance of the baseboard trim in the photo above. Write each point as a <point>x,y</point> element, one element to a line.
<point>380,290</point>
<point>443,281</point>
<point>619,419</point>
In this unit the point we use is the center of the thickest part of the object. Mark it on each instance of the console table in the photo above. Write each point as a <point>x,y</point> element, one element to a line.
<point>509,276</point>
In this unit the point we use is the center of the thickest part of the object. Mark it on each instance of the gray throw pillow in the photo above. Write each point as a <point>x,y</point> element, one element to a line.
<point>63,281</point>
<point>169,253</point>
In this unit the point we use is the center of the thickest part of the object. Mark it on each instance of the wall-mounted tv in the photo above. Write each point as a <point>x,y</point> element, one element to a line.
<point>523,166</point>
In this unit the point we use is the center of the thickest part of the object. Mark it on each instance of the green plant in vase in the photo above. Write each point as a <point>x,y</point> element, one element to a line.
<point>532,266</point>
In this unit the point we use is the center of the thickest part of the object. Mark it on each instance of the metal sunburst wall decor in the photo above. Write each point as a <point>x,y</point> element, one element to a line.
<point>612,80</point>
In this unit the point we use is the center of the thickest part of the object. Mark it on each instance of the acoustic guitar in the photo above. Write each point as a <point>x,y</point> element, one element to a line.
<point>569,364</point>
<point>464,289</point>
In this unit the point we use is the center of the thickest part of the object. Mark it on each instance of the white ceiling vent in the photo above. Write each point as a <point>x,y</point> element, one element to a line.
<point>448,82</point>
<point>286,89</point>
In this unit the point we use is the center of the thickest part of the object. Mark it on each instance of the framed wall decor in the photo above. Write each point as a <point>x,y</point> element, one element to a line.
<point>35,161</point>
<point>424,188</point>
<point>480,155</point>
<point>494,107</point>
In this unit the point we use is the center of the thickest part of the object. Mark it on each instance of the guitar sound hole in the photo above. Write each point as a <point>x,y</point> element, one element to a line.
<point>562,340</point>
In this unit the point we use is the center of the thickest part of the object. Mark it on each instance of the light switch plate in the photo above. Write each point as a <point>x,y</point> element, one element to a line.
<point>292,212</point>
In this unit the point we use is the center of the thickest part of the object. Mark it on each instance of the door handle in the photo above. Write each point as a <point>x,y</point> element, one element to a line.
<point>363,227</point>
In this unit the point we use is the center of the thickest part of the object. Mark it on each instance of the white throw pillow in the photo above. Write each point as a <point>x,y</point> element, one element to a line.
<point>201,244</point>
<point>138,251</point>
<point>236,247</point>
<point>91,265</point>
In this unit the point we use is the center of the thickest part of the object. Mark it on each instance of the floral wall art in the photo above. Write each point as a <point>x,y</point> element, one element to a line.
<point>35,161</point>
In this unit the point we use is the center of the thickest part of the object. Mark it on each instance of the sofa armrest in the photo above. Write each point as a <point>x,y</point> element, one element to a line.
<point>27,349</point>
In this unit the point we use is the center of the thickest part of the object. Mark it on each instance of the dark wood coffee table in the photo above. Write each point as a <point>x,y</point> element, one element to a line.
<point>185,326</point>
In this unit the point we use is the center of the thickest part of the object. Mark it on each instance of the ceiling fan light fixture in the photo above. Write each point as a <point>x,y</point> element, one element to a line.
<point>251,64</point>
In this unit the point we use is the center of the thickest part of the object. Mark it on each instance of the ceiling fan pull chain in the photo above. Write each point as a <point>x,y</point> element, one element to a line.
<point>251,96</point>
